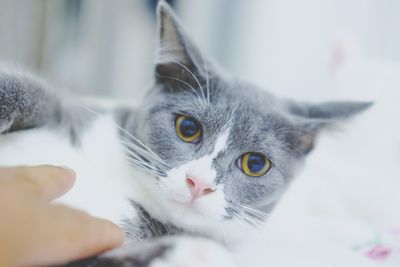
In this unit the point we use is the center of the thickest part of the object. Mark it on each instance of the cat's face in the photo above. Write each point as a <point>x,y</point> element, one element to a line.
<point>229,148</point>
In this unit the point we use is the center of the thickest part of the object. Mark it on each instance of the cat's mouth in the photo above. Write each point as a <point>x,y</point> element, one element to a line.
<point>198,212</point>
<point>190,205</point>
<point>194,214</point>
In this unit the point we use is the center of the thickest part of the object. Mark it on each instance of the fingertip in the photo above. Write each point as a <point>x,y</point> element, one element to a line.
<point>98,236</point>
<point>69,175</point>
<point>113,234</point>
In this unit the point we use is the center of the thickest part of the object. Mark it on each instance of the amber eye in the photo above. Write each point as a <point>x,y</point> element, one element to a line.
<point>254,164</point>
<point>187,128</point>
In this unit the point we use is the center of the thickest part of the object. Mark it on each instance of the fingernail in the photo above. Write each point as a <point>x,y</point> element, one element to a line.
<point>115,234</point>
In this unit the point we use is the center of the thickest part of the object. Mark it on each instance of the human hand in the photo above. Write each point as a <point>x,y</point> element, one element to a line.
<point>35,232</point>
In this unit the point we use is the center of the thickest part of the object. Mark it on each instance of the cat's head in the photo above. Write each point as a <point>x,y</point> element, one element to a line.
<point>229,149</point>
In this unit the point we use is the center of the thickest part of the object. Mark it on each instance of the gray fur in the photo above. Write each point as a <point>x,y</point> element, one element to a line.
<point>148,227</point>
<point>26,102</point>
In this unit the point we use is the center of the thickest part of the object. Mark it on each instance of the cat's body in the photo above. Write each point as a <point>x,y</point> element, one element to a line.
<point>203,155</point>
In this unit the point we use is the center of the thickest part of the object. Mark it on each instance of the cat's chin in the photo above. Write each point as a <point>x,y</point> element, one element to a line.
<point>192,215</point>
<point>196,210</point>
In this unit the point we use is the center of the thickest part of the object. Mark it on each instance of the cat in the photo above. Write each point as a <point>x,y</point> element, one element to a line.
<point>203,160</point>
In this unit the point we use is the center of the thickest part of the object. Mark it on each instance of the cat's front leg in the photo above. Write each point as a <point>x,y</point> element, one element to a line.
<point>165,252</point>
<point>26,103</point>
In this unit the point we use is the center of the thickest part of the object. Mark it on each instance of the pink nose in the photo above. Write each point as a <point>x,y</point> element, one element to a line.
<point>198,188</point>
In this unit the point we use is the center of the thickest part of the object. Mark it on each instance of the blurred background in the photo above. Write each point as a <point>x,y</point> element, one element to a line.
<point>104,47</point>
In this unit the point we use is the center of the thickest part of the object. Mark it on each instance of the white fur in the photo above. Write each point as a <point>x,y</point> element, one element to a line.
<point>104,178</point>
<point>196,252</point>
<point>211,205</point>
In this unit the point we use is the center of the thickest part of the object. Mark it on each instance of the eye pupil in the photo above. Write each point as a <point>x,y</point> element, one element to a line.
<point>256,163</point>
<point>189,127</point>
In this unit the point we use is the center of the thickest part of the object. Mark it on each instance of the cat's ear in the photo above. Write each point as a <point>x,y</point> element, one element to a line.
<point>312,118</point>
<point>178,62</point>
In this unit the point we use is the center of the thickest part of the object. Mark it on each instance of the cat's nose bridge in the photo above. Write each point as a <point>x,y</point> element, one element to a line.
<point>200,177</point>
<point>203,169</point>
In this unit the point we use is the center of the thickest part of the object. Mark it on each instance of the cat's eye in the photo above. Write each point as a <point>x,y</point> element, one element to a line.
<point>188,129</point>
<point>254,164</point>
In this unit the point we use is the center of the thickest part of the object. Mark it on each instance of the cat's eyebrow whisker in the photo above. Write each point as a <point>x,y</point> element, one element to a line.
<point>207,80</point>
<point>187,84</point>
<point>194,76</point>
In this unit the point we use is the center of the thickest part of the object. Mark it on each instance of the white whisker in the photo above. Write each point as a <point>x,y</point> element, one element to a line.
<point>258,212</point>
<point>136,148</point>
<point>187,84</point>
<point>207,80</point>
<point>127,134</point>
<point>194,76</point>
